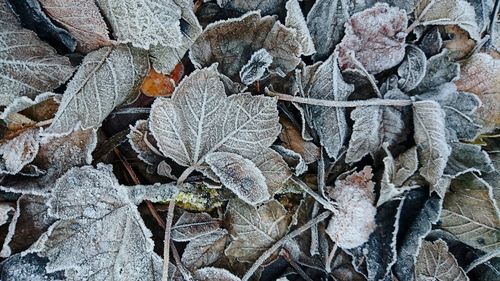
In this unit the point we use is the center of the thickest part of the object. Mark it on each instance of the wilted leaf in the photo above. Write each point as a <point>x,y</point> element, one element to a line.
<point>470,214</point>
<point>255,68</point>
<point>377,38</point>
<point>440,70</point>
<point>19,151</point>
<point>231,43</point>
<point>467,158</point>
<point>28,267</point>
<point>481,75</point>
<point>355,220</point>
<point>255,229</point>
<point>435,262</point>
<point>292,139</point>
<point>91,206</point>
<point>104,80</point>
<point>243,6</point>
<point>212,273</point>
<point>295,19</point>
<point>82,19</point>
<point>144,23</point>
<point>192,226</point>
<point>330,123</point>
<point>205,250</point>
<point>446,12</point>
<point>240,175</point>
<point>165,58</point>
<point>433,151</point>
<point>28,66</point>
<point>413,68</point>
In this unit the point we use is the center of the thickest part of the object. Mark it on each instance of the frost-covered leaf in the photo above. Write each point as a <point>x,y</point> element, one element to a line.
<point>292,158</point>
<point>91,206</point>
<point>28,66</point>
<point>255,68</point>
<point>326,21</point>
<point>446,12</point>
<point>329,122</point>
<point>242,6</point>
<point>5,209</point>
<point>396,172</point>
<point>295,19</point>
<point>419,213</point>
<point>435,262</point>
<point>193,225</point>
<point>200,119</point>
<point>432,42</point>
<point>163,58</point>
<point>377,38</point>
<point>231,43</point>
<point>355,221</point>
<point>470,214</point>
<point>82,19</point>
<point>104,80</point>
<point>212,273</point>
<point>28,267</point>
<point>255,229</point>
<point>19,151</point>
<point>205,250</point>
<point>481,75</point>
<point>21,103</point>
<point>439,70</point>
<point>467,158</point>
<point>144,22</point>
<point>413,68</point>
<point>240,175</point>
<point>433,151</point>
<point>292,139</point>
<point>139,139</point>
<point>274,169</point>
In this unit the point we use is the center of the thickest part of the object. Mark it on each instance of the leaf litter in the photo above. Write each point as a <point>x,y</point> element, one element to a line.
<point>249,140</point>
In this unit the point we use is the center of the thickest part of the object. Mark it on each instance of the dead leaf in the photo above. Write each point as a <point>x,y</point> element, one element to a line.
<point>192,226</point>
<point>19,151</point>
<point>205,250</point>
<point>292,139</point>
<point>212,273</point>
<point>157,85</point>
<point>435,262</point>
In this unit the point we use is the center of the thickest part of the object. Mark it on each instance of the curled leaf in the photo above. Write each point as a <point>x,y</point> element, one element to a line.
<point>19,151</point>
<point>413,68</point>
<point>256,66</point>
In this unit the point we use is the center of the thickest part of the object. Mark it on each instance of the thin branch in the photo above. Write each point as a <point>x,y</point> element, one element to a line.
<point>282,241</point>
<point>326,204</point>
<point>185,174</point>
<point>44,122</point>
<point>182,269</point>
<point>285,254</point>
<point>334,103</point>
<point>420,17</point>
<point>166,242</point>
<point>330,257</point>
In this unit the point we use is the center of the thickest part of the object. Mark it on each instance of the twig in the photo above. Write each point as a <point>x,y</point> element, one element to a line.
<point>166,242</point>
<point>492,25</point>
<point>285,254</point>
<point>185,174</point>
<point>329,259</point>
<point>327,205</point>
<point>419,19</point>
<point>334,103</point>
<point>282,241</point>
<point>44,122</point>
<point>481,260</point>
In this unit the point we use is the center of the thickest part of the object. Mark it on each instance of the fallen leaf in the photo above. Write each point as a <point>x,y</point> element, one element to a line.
<point>19,151</point>
<point>292,139</point>
<point>28,267</point>
<point>440,70</point>
<point>157,85</point>
<point>295,19</point>
<point>192,226</point>
<point>412,70</point>
<point>205,250</point>
<point>243,6</point>
<point>255,68</point>
<point>435,262</point>
<point>212,273</point>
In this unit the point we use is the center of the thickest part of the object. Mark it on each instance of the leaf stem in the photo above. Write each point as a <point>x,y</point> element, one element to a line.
<point>333,103</point>
<point>327,205</point>
<point>166,242</point>
<point>185,174</point>
<point>330,257</point>
<point>282,241</point>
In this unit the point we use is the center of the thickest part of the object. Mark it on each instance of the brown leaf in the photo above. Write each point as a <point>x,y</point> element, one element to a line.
<point>157,85</point>
<point>193,225</point>
<point>377,38</point>
<point>292,139</point>
<point>82,19</point>
<point>460,45</point>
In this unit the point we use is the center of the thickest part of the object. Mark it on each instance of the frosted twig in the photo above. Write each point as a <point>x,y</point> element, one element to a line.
<point>334,103</point>
<point>166,242</point>
<point>420,17</point>
<point>327,205</point>
<point>330,257</point>
<point>282,241</point>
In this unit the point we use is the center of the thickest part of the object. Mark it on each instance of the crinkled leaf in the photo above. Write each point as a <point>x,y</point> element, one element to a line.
<point>481,75</point>
<point>231,43</point>
<point>255,68</point>
<point>242,6</point>
<point>192,226</point>
<point>28,66</point>
<point>165,58</point>
<point>19,151</point>
<point>240,175</point>
<point>28,267</point>
<point>413,68</point>
<point>470,213</point>
<point>440,70</point>
<point>212,273</point>
<point>435,262</point>
<point>446,12</point>
<point>205,250</point>
<point>295,19</point>
<point>418,214</point>
<point>377,38</point>
<point>355,221</point>
<point>329,122</point>
<point>82,19</point>
<point>104,80</point>
<point>143,22</point>
<point>255,229</point>
<point>91,206</point>
<point>467,158</point>
<point>430,138</point>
